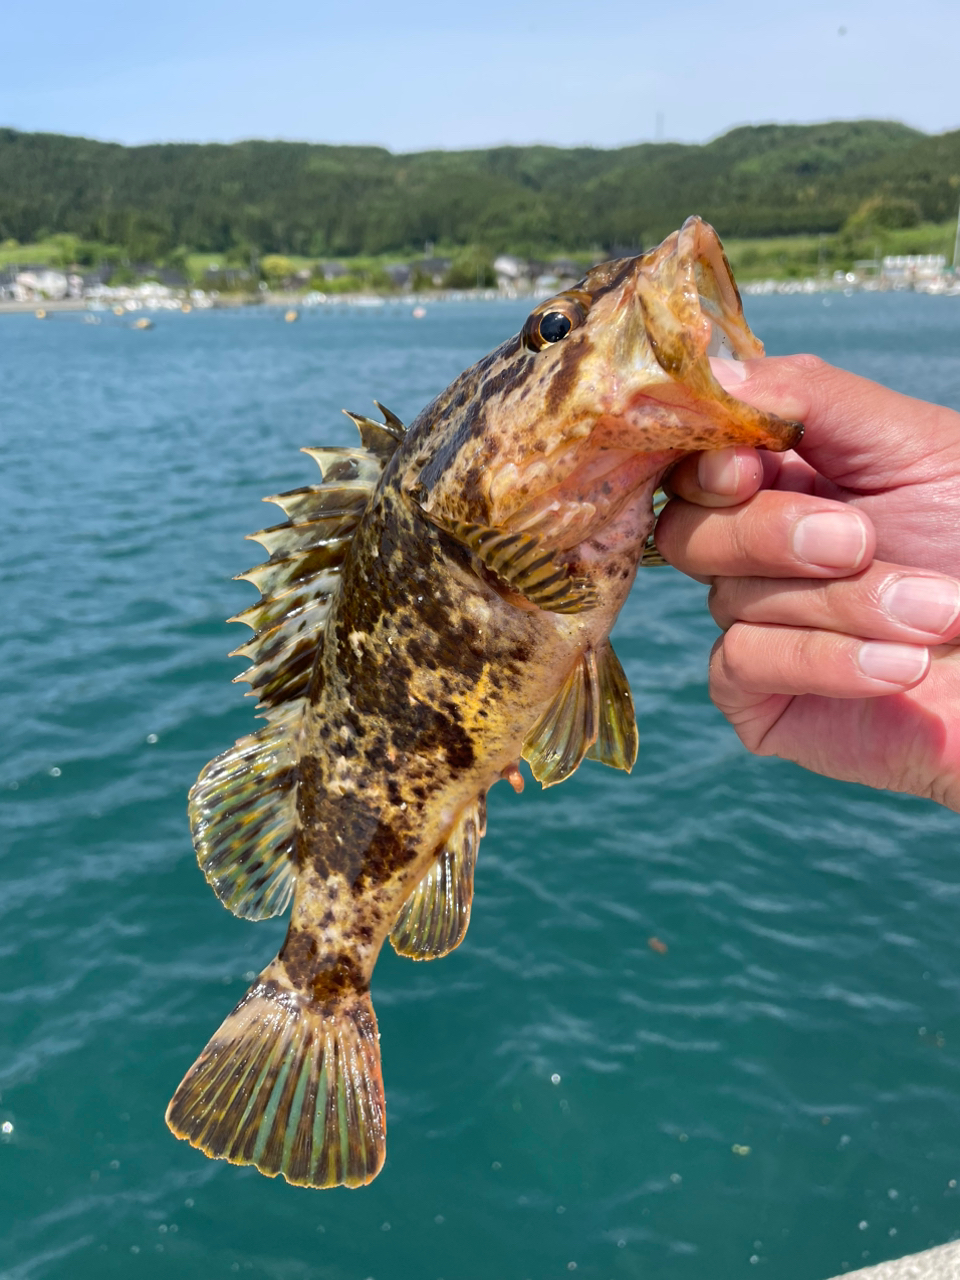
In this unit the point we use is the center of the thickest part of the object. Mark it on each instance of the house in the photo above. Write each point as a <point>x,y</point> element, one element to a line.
<point>509,267</point>
<point>399,273</point>
<point>566,269</point>
<point>906,268</point>
<point>433,268</point>
<point>225,277</point>
<point>38,283</point>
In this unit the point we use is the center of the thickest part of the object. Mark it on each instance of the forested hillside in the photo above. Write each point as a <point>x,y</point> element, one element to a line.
<point>300,198</point>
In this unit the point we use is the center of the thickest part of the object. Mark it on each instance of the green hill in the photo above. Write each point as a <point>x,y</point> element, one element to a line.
<point>315,200</point>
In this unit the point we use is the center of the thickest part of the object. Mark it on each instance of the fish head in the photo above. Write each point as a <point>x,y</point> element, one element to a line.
<point>606,386</point>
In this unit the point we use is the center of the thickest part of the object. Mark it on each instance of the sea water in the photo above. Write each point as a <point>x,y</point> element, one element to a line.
<point>777,1092</point>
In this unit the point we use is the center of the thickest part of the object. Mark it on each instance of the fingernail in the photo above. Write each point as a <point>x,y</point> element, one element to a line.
<point>928,604</point>
<point>719,472</point>
<point>729,373</point>
<point>830,539</point>
<point>893,663</point>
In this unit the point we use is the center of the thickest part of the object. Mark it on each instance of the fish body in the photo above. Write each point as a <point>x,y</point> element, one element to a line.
<point>437,609</point>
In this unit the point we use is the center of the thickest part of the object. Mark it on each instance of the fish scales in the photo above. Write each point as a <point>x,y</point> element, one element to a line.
<point>412,647</point>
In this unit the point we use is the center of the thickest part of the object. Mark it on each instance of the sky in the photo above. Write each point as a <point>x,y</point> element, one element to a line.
<point>416,75</point>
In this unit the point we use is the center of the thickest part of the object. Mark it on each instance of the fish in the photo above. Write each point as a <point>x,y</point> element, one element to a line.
<point>435,611</point>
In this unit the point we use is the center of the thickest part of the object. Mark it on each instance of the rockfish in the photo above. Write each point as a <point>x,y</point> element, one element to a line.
<point>436,609</point>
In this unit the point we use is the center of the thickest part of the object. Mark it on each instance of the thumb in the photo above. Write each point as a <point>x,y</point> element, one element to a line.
<point>859,434</point>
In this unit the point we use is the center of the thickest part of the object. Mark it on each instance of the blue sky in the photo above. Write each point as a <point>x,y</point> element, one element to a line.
<point>413,76</point>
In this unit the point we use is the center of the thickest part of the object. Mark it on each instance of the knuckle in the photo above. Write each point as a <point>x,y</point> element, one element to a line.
<point>749,528</point>
<point>735,652</point>
<point>807,363</point>
<point>716,667</point>
<point>816,655</point>
<point>718,602</point>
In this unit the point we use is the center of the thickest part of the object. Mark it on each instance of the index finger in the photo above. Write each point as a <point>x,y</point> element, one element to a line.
<point>775,535</point>
<point>857,433</point>
<point>727,477</point>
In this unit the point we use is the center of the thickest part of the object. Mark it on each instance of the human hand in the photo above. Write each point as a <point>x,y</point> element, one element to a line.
<point>831,574</point>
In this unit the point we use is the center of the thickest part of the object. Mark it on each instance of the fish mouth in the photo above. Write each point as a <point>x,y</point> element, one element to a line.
<point>685,308</point>
<point>700,256</point>
<point>659,318</point>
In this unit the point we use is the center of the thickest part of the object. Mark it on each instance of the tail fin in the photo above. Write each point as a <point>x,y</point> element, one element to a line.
<point>291,1087</point>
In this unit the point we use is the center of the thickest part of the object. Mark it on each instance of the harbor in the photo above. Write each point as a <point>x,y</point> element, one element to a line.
<point>53,292</point>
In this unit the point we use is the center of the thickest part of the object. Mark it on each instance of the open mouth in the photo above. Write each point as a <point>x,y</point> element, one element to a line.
<point>702,267</point>
<point>680,306</point>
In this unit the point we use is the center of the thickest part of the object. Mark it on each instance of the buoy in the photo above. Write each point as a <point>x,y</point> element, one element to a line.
<point>419,312</point>
<point>118,311</point>
<point>186,308</point>
<point>291,316</point>
<point>142,323</point>
<point>40,313</point>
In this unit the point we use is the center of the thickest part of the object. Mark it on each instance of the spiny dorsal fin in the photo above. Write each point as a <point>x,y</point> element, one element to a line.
<point>243,817</point>
<point>380,438</point>
<point>560,739</point>
<point>306,554</point>
<point>434,919</point>
<point>340,465</point>
<point>519,561</point>
<point>317,501</point>
<point>617,743</point>
<point>243,806</point>
<point>392,420</point>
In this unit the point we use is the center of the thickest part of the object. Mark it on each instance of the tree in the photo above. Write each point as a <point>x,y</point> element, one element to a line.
<point>276,267</point>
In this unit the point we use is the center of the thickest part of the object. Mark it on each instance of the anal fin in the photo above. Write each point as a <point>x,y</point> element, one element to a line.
<point>560,739</point>
<point>291,1087</point>
<point>617,742</point>
<point>521,563</point>
<point>434,919</point>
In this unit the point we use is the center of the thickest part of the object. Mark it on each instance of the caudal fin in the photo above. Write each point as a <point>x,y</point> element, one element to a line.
<point>290,1087</point>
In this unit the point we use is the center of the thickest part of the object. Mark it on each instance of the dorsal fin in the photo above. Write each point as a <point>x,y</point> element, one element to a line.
<point>434,919</point>
<point>243,807</point>
<point>380,438</point>
<point>392,420</point>
<point>306,553</point>
<point>338,465</point>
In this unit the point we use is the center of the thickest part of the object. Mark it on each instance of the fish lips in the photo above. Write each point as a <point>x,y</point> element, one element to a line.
<point>686,307</point>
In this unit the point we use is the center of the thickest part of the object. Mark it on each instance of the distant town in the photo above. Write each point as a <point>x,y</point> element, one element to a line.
<point>26,287</point>
<point>223,285</point>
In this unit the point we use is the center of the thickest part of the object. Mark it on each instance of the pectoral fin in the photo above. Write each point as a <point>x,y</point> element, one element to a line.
<point>434,918</point>
<point>521,563</point>
<point>650,556</point>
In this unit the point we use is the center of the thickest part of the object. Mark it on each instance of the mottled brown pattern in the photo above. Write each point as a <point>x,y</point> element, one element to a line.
<point>430,673</point>
<point>413,702</point>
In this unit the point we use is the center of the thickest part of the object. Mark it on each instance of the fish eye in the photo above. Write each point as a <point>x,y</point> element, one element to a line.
<point>554,326</point>
<point>559,317</point>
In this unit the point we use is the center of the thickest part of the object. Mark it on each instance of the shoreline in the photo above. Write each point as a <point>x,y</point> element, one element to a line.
<point>938,286</point>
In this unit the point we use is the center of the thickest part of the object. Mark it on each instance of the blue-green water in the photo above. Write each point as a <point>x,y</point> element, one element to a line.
<point>561,1097</point>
